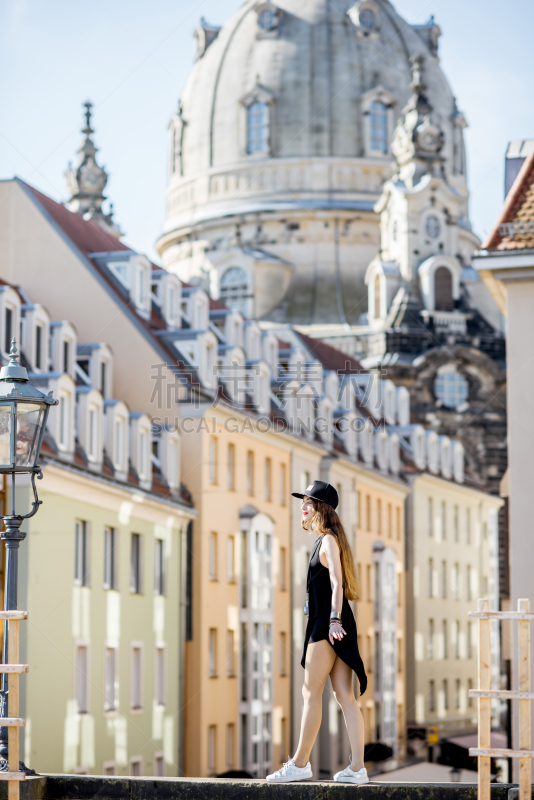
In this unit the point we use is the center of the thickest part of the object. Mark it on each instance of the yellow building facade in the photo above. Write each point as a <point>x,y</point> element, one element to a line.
<point>237,684</point>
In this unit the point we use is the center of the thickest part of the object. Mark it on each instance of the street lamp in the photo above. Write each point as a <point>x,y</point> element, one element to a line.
<point>23,415</point>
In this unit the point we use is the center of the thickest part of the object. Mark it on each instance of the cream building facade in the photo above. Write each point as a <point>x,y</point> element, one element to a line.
<point>279,148</point>
<point>452,560</point>
<point>506,265</point>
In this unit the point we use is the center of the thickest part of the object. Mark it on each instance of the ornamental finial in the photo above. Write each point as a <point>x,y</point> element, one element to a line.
<point>13,371</point>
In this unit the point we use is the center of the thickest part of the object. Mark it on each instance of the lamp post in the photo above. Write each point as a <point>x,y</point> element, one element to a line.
<point>23,415</point>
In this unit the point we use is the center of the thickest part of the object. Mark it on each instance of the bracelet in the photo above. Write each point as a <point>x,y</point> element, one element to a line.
<point>334,622</point>
<point>335,615</point>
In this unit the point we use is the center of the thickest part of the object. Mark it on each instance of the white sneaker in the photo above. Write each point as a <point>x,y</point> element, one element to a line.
<point>348,776</point>
<point>290,772</point>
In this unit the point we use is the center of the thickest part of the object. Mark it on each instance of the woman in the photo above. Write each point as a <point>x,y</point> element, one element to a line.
<point>331,644</point>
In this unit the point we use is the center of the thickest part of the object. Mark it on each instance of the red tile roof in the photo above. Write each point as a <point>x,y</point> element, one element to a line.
<point>519,207</point>
<point>88,236</point>
<point>330,357</point>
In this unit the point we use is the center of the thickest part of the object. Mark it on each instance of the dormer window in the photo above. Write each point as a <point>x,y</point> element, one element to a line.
<point>39,347</point>
<point>234,291</point>
<point>379,126</point>
<point>377,109</point>
<point>257,127</point>
<point>121,269</point>
<point>269,17</point>
<point>365,16</point>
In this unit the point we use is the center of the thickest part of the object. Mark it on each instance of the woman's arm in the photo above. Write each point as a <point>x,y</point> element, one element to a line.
<point>331,550</point>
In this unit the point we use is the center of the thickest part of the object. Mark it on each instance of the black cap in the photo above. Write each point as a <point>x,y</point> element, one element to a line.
<point>320,490</point>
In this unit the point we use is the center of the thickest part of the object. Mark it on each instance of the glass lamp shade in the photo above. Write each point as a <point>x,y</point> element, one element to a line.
<point>22,426</point>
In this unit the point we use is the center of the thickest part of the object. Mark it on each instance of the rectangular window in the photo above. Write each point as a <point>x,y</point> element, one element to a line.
<point>213,556</point>
<point>457,693</point>
<point>368,583</point>
<point>368,512</point>
<point>111,678</point>
<point>244,661</point>
<point>135,564</point>
<point>230,467</point>
<point>159,765</point>
<point>159,566</point>
<point>136,676</point>
<point>81,679</point>
<point>469,689</point>
<point>8,330</point>
<point>244,740</point>
<point>432,696</point>
<point>136,766</point>
<point>244,569</point>
<point>430,645</point>
<point>230,739</point>
<point>282,652</point>
<point>160,676</point>
<point>456,524</point>
<point>431,577</point>
<point>230,559</point>
<point>109,768</point>
<point>398,523</point>
<point>268,479</point>
<point>444,580</point>
<point>430,517</point>
<point>81,563</point>
<point>469,640</point>
<point>110,558</point>
<point>456,581</point>
<point>446,694</point>
<point>443,520</point>
<point>230,653</point>
<point>212,744</point>
<point>468,526</point>
<point>212,653</point>
<point>456,635</point>
<point>283,569</point>
<point>38,346</point>
<point>93,432</point>
<point>250,473</point>
<point>282,484</point>
<point>63,419</point>
<point>379,516</point>
<point>213,459</point>
<point>469,583</point>
<point>66,355</point>
<point>103,384</point>
<point>445,640</point>
<point>358,509</point>
<point>390,520</point>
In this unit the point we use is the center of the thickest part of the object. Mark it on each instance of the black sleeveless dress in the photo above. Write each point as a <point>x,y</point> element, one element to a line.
<point>320,605</point>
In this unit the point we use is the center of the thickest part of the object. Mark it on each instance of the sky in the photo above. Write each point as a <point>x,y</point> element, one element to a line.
<point>131,58</point>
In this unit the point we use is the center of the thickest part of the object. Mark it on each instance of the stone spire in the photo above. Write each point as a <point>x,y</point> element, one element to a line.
<point>87,180</point>
<point>417,140</point>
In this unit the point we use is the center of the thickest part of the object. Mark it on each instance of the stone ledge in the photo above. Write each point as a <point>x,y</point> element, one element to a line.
<point>93,787</point>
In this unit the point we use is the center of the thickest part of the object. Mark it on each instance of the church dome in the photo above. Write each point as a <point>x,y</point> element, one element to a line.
<point>290,110</point>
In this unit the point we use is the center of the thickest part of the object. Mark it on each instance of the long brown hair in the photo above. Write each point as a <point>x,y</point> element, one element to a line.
<point>325,520</point>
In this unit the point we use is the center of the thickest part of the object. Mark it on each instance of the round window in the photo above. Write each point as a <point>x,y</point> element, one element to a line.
<point>367,19</point>
<point>267,20</point>
<point>451,389</point>
<point>432,226</point>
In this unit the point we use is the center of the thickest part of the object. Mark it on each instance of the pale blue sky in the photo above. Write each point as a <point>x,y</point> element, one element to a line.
<point>132,57</point>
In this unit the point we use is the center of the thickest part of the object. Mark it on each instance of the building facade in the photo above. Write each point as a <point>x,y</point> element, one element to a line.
<point>506,265</point>
<point>452,560</point>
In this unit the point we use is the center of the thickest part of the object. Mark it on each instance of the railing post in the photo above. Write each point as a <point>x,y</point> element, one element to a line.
<point>523,606</point>
<point>484,703</point>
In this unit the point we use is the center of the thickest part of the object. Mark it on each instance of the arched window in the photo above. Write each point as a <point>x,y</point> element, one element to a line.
<point>257,127</point>
<point>379,127</point>
<point>443,290</point>
<point>234,289</point>
<point>377,296</point>
<point>451,389</point>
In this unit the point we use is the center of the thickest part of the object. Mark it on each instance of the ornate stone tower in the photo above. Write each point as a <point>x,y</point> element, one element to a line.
<point>87,181</point>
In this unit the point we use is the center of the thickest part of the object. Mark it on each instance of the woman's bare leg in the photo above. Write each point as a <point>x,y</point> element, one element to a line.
<point>320,658</point>
<point>341,677</point>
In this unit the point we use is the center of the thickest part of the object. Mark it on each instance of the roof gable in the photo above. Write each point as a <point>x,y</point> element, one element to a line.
<point>514,230</point>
